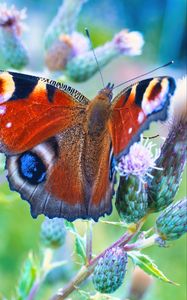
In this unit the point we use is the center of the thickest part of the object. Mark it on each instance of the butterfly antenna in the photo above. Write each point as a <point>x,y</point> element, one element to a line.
<point>151,137</point>
<point>88,35</point>
<point>165,65</point>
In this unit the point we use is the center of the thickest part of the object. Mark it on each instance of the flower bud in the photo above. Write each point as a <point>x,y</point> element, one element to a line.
<point>64,22</point>
<point>110,271</point>
<point>53,232</point>
<point>172,222</point>
<point>64,49</point>
<point>171,162</point>
<point>131,199</point>
<point>13,53</point>
<point>134,168</point>
<point>84,66</point>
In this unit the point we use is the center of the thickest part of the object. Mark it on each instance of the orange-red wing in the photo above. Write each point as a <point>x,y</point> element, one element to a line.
<point>33,109</point>
<point>135,107</point>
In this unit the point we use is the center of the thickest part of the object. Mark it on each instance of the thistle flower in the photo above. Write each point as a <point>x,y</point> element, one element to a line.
<point>165,183</point>
<point>64,49</point>
<point>53,232</point>
<point>84,66</point>
<point>64,22</point>
<point>139,161</point>
<point>13,53</point>
<point>110,271</point>
<point>134,168</point>
<point>172,223</point>
<point>129,43</point>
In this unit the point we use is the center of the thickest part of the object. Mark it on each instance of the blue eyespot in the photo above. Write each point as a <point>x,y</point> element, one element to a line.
<point>31,168</point>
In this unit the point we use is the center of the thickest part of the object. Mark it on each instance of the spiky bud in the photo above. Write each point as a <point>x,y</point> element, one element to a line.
<point>13,53</point>
<point>131,199</point>
<point>84,66</point>
<point>171,162</point>
<point>64,22</point>
<point>53,232</point>
<point>64,49</point>
<point>172,222</point>
<point>134,168</point>
<point>110,271</point>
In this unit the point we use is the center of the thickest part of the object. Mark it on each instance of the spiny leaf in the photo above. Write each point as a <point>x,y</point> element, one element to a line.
<point>147,265</point>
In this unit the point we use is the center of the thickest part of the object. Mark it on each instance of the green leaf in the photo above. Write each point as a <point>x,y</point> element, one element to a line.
<point>147,265</point>
<point>80,247</point>
<point>120,224</point>
<point>79,241</point>
<point>27,278</point>
<point>70,227</point>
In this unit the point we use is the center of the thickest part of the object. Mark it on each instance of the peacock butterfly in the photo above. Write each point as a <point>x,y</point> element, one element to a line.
<point>59,146</point>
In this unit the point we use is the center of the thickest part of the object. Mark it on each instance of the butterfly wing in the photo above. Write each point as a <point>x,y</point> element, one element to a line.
<point>41,135</point>
<point>135,107</point>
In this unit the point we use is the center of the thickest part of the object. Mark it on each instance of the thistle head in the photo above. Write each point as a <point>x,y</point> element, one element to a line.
<point>139,161</point>
<point>172,222</point>
<point>12,19</point>
<point>164,185</point>
<point>129,43</point>
<point>110,271</point>
<point>53,232</point>
<point>64,49</point>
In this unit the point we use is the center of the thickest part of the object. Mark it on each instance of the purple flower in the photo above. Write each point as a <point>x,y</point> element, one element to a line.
<point>139,161</point>
<point>129,43</point>
<point>12,18</point>
<point>77,42</point>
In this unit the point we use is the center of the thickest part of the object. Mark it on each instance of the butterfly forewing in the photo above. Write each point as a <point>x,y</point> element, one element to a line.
<point>135,107</point>
<point>32,111</point>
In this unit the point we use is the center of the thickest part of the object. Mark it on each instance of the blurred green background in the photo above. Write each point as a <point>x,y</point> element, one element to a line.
<point>163,24</point>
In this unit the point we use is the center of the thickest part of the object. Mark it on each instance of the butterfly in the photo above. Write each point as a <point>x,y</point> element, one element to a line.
<point>60,146</point>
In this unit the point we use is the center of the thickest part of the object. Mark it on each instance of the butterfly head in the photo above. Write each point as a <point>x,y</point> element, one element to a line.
<point>107,91</point>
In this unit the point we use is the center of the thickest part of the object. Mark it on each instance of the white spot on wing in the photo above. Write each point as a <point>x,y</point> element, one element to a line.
<point>9,125</point>
<point>130,130</point>
<point>140,117</point>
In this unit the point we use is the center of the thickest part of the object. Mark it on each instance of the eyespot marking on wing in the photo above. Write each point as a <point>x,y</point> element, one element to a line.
<point>31,168</point>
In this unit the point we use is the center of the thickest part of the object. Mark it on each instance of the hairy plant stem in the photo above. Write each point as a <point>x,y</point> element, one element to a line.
<point>89,241</point>
<point>87,270</point>
<point>142,243</point>
<point>34,289</point>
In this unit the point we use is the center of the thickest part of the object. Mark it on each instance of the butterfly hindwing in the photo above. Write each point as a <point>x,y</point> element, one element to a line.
<point>58,180</point>
<point>135,107</point>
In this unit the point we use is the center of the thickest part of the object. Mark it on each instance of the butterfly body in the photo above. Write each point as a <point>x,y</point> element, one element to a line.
<point>60,147</point>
